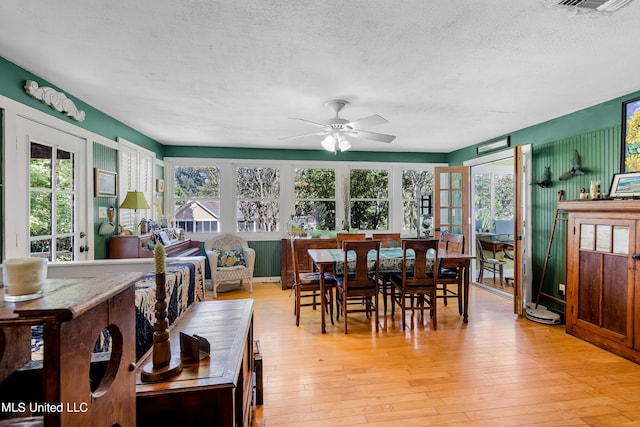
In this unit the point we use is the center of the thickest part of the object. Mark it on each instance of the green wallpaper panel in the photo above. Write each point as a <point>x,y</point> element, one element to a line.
<point>600,155</point>
<point>103,158</point>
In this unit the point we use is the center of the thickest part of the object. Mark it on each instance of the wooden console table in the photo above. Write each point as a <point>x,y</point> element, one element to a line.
<point>74,313</point>
<point>215,391</point>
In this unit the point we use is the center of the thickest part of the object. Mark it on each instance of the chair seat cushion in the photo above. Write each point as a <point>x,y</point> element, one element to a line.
<point>495,261</point>
<point>312,278</point>
<point>448,273</point>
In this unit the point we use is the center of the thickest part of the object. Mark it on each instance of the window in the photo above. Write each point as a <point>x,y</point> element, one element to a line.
<point>369,199</point>
<point>413,180</point>
<point>197,198</point>
<point>51,202</point>
<point>315,197</point>
<point>258,199</point>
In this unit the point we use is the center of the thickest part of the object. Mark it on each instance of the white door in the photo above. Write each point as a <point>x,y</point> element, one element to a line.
<point>50,214</point>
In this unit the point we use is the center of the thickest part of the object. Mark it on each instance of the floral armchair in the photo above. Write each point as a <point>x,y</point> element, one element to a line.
<point>231,260</point>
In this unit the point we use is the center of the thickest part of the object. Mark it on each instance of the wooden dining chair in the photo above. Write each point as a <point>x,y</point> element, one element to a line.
<point>449,275</point>
<point>358,287</point>
<point>341,237</point>
<point>387,240</point>
<point>306,281</point>
<point>418,282</point>
<point>489,264</point>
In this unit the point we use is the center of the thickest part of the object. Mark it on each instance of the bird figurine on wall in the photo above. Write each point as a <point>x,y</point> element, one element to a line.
<point>546,178</point>
<point>576,167</point>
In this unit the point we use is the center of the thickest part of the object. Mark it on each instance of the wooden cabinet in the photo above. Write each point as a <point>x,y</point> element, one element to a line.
<point>216,391</point>
<point>603,287</point>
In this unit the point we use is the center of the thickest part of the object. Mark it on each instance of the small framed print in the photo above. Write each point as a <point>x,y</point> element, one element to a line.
<point>625,186</point>
<point>159,185</point>
<point>105,183</point>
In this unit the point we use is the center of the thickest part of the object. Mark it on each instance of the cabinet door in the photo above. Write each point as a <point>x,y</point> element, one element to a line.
<point>605,279</point>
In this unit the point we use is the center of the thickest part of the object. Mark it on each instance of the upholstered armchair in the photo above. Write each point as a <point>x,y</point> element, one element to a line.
<point>231,260</point>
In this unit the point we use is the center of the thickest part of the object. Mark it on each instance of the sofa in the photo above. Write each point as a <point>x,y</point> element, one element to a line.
<point>230,260</point>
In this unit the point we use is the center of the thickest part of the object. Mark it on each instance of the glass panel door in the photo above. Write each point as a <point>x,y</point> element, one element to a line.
<point>451,201</point>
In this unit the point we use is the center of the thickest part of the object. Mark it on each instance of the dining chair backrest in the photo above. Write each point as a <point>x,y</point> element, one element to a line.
<point>360,276</point>
<point>421,275</point>
<point>302,262</point>
<point>452,242</point>
<point>387,240</point>
<point>480,252</point>
<point>341,237</point>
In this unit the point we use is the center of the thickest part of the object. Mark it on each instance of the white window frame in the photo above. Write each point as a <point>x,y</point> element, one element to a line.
<point>287,177</point>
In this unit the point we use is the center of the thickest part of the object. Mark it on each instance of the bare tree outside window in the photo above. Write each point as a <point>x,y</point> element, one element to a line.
<point>411,181</point>
<point>258,199</point>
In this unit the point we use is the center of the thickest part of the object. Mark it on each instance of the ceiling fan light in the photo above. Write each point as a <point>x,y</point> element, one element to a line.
<point>329,144</point>
<point>343,143</point>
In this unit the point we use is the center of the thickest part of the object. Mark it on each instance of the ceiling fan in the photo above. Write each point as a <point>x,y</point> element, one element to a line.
<point>339,130</point>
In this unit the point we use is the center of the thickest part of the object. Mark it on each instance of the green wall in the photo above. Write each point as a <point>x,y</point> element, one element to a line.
<point>595,133</point>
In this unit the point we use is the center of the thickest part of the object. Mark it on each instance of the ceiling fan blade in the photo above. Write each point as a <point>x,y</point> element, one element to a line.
<point>307,134</point>
<point>380,137</point>
<point>322,125</point>
<point>367,122</point>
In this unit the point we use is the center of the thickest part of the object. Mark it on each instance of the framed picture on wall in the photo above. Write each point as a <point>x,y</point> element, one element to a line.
<point>106,183</point>
<point>630,151</point>
<point>625,185</point>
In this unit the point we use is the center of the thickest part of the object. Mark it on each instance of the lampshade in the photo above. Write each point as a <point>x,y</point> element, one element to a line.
<point>135,200</point>
<point>335,143</point>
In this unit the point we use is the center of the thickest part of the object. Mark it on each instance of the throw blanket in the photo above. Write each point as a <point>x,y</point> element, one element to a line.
<point>185,285</point>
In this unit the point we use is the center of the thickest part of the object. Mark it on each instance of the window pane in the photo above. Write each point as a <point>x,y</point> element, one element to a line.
<point>370,215</point>
<point>620,239</point>
<point>315,195</point>
<point>587,232</point>
<point>64,171</point>
<point>40,214</point>
<point>201,182</point>
<point>319,215</point>
<point>197,197</point>
<point>41,248</point>
<point>258,216</point>
<point>315,183</point>
<point>40,166</point>
<point>369,184</point>
<point>64,213</point>
<point>413,180</point>
<point>258,204</point>
<point>63,248</point>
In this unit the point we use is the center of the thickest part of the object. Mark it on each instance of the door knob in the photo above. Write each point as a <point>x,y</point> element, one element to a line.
<point>635,256</point>
<point>84,248</point>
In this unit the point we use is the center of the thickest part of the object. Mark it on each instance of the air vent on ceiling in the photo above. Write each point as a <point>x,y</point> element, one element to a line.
<point>605,6</point>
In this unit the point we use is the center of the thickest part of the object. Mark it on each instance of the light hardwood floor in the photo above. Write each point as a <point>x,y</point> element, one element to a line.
<point>498,370</point>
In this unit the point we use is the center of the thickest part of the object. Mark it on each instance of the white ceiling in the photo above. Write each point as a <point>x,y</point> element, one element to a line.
<point>446,74</point>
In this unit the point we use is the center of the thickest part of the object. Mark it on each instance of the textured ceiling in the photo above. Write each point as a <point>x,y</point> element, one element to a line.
<point>446,74</point>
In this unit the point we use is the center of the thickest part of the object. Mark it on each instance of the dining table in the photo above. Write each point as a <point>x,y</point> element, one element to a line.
<point>390,263</point>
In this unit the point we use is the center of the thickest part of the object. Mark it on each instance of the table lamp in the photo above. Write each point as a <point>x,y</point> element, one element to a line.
<point>135,200</point>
